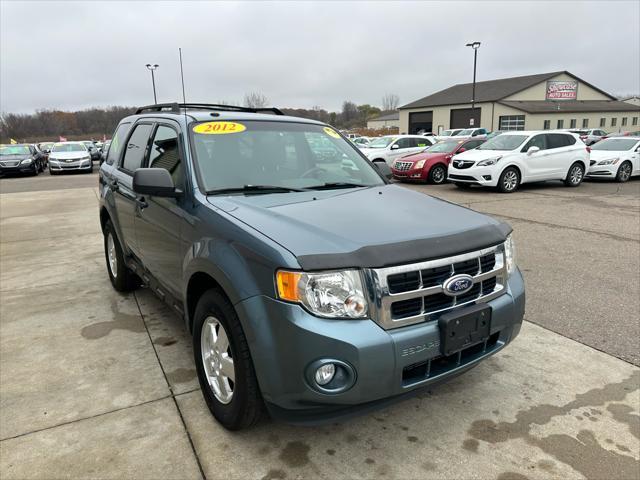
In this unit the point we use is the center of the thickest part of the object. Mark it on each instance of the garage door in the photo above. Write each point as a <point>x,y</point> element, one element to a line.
<point>420,121</point>
<point>461,118</point>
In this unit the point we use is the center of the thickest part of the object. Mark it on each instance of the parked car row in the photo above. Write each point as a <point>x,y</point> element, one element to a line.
<point>21,158</point>
<point>513,158</point>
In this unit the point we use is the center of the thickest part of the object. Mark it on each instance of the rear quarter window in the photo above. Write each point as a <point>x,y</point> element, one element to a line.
<point>116,143</point>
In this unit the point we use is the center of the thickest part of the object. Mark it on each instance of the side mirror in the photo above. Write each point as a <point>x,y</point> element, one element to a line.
<point>395,146</point>
<point>533,150</point>
<point>154,181</point>
<point>384,169</point>
<point>462,149</point>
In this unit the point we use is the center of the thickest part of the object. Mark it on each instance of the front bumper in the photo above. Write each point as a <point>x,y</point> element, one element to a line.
<point>416,174</point>
<point>59,166</point>
<point>285,340</point>
<point>18,169</point>
<point>603,171</point>
<point>484,176</point>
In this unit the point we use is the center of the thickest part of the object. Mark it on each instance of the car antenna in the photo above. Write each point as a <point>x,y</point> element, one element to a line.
<point>184,97</point>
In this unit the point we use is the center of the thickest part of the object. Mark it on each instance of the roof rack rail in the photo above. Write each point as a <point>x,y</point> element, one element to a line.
<point>175,108</point>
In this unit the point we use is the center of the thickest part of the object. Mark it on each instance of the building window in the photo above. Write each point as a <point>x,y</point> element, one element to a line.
<point>574,123</point>
<point>560,124</point>
<point>634,121</point>
<point>547,124</point>
<point>614,121</point>
<point>511,122</point>
<point>603,122</point>
<point>624,121</point>
<point>585,123</point>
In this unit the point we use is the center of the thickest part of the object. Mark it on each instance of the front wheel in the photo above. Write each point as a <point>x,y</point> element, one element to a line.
<point>574,175</point>
<point>122,279</point>
<point>624,172</point>
<point>438,174</point>
<point>223,362</point>
<point>509,180</point>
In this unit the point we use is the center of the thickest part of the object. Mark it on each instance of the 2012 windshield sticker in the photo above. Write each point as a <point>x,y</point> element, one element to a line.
<point>331,132</point>
<point>219,128</point>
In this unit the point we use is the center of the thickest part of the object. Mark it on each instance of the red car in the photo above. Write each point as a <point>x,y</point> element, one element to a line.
<point>431,164</point>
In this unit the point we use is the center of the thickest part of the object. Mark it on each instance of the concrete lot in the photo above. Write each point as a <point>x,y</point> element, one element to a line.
<point>94,384</point>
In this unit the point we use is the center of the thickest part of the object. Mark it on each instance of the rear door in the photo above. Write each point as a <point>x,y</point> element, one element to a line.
<point>135,150</point>
<point>158,220</point>
<point>562,150</point>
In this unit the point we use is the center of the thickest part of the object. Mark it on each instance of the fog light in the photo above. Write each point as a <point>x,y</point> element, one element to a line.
<point>487,177</point>
<point>325,373</point>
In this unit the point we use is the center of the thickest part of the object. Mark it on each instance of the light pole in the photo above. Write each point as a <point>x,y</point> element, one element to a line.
<point>475,46</point>
<point>153,80</point>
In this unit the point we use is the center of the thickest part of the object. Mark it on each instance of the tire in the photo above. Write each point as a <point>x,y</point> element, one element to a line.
<point>438,174</point>
<point>463,186</point>
<point>624,172</point>
<point>122,279</point>
<point>509,180</point>
<point>575,175</point>
<point>237,403</point>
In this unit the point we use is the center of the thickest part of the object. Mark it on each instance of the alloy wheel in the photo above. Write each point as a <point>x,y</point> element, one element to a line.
<point>625,172</point>
<point>111,254</point>
<point>575,176</point>
<point>510,180</point>
<point>438,175</point>
<point>217,360</point>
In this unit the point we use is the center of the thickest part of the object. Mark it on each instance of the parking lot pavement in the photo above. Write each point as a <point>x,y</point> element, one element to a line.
<point>98,384</point>
<point>45,181</point>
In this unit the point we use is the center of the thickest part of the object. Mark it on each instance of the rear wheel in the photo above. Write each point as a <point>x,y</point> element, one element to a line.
<point>575,175</point>
<point>223,362</point>
<point>509,180</point>
<point>624,172</point>
<point>438,174</point>
<point>122,278</point>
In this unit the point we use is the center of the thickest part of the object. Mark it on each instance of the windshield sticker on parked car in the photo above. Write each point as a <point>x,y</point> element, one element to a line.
<point>422,144</point>
<point>219,128</point>
<point>331,132</point>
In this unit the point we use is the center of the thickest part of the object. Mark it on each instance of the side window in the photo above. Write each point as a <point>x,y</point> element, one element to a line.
<point>557,140</point>
<point>537,141</point>
<point>164,153</point>
<point>406,143</point>
<point>136,147</point>
<point>116,143</point>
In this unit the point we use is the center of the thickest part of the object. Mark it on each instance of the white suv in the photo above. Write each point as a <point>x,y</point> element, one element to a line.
<point>390,147</point>
<point>518,157</point>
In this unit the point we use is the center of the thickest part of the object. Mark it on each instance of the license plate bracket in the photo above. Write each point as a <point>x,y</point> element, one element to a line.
<point>464,328</point>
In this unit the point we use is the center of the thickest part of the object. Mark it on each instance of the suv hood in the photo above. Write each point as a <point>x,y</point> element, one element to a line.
<point>477,155</point>
<point>368,227</point>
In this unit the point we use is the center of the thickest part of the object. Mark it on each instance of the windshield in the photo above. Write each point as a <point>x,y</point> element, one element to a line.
<point>503,142</point>
<point>448,133</point>
<point>68,147</point>
<point>88,144</point>
<point>443,147</point>
<point>15,150</point>
<point>280,154</point>
<point>466,132</point>
<point>381,142</point>
<point>46,146</point>
<point>615,144</point>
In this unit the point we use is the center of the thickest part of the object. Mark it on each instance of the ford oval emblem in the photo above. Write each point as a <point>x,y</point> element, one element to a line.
<point>457,285</point>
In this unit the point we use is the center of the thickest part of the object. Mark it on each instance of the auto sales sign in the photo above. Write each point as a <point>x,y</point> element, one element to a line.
<point>562,90</point>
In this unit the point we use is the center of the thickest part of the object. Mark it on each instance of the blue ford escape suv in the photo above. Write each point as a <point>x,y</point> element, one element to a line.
<point>300,271</point>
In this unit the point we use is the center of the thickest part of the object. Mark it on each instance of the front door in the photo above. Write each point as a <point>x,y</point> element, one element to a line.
<point>158,220</point>
<point>537,163</point>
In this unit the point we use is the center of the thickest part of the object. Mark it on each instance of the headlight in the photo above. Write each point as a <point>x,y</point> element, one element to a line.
<point>611,161</point>
<point>86,158</point>
<point>419,164</point>
<point>490,161</point>
<point>26,161</point>
<point>510,255</point>
<point>336,294</point>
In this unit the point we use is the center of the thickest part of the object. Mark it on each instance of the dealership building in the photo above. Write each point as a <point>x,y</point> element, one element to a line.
<point>533,102</point>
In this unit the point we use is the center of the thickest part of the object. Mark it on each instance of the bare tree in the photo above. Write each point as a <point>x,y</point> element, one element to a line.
<point>255,100</point>
<point>390,101</point>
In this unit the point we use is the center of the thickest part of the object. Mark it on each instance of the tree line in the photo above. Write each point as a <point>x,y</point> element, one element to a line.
<point>97,122</point>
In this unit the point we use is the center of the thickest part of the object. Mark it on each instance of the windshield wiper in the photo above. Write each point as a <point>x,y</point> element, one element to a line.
<point>255,189</point>
<point>332,185</point>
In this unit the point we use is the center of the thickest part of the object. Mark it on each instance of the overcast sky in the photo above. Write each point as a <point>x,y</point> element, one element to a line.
<point>71,55</point>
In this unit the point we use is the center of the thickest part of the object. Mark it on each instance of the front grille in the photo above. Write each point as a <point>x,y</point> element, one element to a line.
<point>462,177</point>
<point>10,163</point>
<point>461,164</point>
<point>414,293</point>
<point>403,166</point>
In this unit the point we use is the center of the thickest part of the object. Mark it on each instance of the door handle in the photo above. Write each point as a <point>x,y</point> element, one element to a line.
<point>142,203</point>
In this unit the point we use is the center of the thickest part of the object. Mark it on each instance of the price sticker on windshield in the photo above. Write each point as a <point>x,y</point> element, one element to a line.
<point>219,128</point>
<point>331,132</point>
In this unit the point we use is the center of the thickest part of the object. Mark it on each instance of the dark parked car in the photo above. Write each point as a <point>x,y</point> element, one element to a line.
<point>304,278</point>
<point>20,159</point>
<point>94,151</point>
